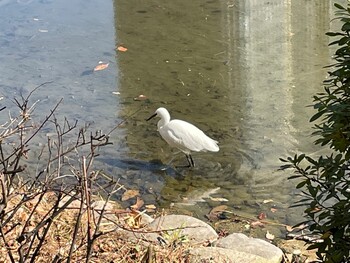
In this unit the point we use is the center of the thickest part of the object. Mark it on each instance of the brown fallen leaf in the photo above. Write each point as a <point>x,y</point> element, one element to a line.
<point>122,48</point>
<point>23,216</point>
<point>133,220</point>
<point>289,228</point>
<point>140,97</point>
<point>262,216</point>
<point>218,199</point>
<point>139,203</point>
<point>130,194</point>
<point>101,66</point>
<point>257,224</point>
<point>273,210</point>
<point>150,208</point>
<point>215,213</point>
<point>266,201</point>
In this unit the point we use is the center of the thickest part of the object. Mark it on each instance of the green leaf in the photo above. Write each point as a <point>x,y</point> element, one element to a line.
<point>313,246</point>
<point>342,42</point>
<point>294,177</point>
<point>333,34</point>
<point>339,6</point>
<point>318,115</point>
<point>301,184</point>
<point>346,27</point>
<point>285,167</point>
<point>300,158</point>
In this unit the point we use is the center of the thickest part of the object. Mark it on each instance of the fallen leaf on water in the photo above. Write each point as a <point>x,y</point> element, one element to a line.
<point>266,201</point>
<point>262,216</point>
<point>130,194</point>
<point>121,48</point>
<point>273,210</point>
<point>139,203</point>
<point>257,224</point>
<point>215,213</point>
<point>101,66</point>
<point>269,236</point>
<point>140,97</point>
<point>289,228</point>
<point>218,209</point>
<point>218,199</point>
<point>150,207</point>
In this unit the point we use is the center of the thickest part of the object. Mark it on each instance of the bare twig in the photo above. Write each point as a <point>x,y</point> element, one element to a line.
<point>87,194</point>
<point>30,207</point>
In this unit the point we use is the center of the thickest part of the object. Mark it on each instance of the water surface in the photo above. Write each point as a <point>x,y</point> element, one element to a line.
<point>242,71</point>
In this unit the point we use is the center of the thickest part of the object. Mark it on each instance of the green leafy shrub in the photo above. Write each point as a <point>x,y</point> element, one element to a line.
<point>325,182</point>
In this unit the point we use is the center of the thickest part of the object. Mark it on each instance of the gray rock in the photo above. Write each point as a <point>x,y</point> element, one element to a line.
<point>241,243</point>
<point>195,230</point>
<point>222,255</point>
<point>146,219</point>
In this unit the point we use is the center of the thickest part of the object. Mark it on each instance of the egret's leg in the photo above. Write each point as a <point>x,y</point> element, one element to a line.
<point>190,160</point>
<point>171,161</point>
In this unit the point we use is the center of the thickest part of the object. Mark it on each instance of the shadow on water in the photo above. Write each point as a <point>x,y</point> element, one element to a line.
<point>137,165</point>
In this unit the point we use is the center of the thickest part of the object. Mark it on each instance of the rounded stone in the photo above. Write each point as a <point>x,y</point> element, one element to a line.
<point>222,255</point>
<point>255,246</point>
<point>194,229</point>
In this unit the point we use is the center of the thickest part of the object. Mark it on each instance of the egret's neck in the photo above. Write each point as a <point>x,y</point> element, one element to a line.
<point>164,120</point>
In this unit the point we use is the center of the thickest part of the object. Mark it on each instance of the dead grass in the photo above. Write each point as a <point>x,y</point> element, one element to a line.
<point>111,245</point>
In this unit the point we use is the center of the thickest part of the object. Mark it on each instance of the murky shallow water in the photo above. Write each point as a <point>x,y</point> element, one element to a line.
<point>243,71</point>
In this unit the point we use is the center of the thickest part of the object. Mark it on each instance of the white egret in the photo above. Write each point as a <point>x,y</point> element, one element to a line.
<point>183,135</point>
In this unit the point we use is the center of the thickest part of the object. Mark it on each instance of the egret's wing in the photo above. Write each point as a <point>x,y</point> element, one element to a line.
<point>173,135</point>
<point>188,137</point>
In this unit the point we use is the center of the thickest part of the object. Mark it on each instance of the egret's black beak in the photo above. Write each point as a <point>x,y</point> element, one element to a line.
<point>154,115</point>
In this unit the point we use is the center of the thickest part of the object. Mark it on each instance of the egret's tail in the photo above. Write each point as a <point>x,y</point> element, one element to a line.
<point>212,146</point>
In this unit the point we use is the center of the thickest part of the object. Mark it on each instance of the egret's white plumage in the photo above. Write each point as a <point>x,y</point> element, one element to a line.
<point>183,135</point>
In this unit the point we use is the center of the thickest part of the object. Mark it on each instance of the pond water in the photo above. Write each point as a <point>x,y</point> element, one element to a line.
<point>243,71</point>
